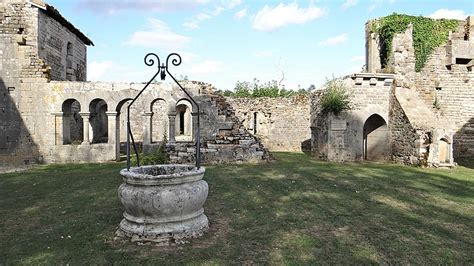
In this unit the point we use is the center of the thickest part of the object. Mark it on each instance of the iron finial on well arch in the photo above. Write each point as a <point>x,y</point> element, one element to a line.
<point>163,69</point>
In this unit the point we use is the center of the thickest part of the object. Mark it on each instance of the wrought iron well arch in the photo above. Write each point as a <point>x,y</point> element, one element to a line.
<point>162,70</point>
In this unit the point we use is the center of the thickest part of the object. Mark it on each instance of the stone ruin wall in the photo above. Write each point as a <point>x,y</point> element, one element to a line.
<point>442,85</point>
<point>340,137</point>
<point>403,135</point>
<point>25,34</point>
<point>18,59</point>
<point>282,124</point>
<point>223,137</point>
<point>32,112</point>
<point>449,90</point>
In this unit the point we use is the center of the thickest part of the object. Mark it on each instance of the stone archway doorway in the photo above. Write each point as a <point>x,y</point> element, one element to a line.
<point>376,139</point>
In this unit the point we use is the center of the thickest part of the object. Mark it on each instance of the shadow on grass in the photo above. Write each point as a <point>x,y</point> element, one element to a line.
<point>294,210</point>
<point>466,162</point>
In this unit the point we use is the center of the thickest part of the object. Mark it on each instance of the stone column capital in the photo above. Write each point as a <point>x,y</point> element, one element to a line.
<point>85,114</point>
<point>112,113</point>
<point>57,113</point>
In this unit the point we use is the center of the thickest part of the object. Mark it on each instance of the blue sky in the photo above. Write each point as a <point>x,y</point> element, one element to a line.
<point>301,42</point>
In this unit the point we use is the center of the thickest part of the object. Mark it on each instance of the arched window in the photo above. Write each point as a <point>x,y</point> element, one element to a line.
<point>443,151</point>
<point>72,122</point>
<point>184,121</point>
<point>121,126</point>
<point>376,139</point>
<point>99,121</point>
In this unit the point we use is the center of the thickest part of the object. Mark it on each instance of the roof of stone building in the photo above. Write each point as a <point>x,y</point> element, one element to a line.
<point>54,13</point>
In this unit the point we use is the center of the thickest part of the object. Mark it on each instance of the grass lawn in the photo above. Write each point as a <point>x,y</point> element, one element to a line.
<point>294,210</point>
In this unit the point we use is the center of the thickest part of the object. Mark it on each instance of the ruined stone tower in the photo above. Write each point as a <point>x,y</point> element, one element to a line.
<point>401,113</point>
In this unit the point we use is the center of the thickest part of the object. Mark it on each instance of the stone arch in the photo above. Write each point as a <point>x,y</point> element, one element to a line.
<point>184,120</point>
<point>98,121</point>
<point>121,126</point>
<point>444,150</point>
<point>159,120</point>
<point>376,145</point>
<point>72,122</point>
<point>121,110</point>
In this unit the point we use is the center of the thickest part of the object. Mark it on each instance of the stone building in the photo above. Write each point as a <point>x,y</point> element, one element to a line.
<point>424,117</point>
<point>50,114</point>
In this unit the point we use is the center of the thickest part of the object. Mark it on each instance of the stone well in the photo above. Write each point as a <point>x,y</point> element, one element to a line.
<point>163,203</point>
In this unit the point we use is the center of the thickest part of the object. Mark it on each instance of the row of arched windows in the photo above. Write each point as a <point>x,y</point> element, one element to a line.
<point>96,119</point>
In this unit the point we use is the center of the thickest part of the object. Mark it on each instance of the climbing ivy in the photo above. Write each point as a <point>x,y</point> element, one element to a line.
<point>427,35</point>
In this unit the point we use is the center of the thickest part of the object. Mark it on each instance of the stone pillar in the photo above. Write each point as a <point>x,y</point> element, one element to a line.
<point>118,126</point>
<point>86,127</point>
<point>112,127</point>
<point>59,130</point>
<point>194,126</point>
<point>147,127</point>
<point>372,60</point>
<point>112,132</point>
<point>172,122</point>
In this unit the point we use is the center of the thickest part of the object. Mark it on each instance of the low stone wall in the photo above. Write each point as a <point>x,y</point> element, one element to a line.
<point>283,124</point>
<point>49,108</point>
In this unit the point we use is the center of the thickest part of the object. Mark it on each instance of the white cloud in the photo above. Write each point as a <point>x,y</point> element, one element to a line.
<point>96,70</point>
<point>112,7</point>
<point>358,58</point>
<point>348,3</point>
<point>159,35</point>
<point>195,22</point>
<point>206,67</point>
<point>334,40</point>
<point>449,14</point>
<point>241,14</point>
<point>271,18</point>
<point>233,3</point>
<point>109,71</point>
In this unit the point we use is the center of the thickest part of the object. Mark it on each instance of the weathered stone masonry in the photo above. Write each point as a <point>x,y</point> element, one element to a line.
<point>420,118</point>
<point>281,123</point>
<point>429,114</point>
<point>345,137</point>
<point>45,118</point>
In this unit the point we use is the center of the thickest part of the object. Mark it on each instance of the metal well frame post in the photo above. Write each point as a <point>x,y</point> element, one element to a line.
<point>162,70</point>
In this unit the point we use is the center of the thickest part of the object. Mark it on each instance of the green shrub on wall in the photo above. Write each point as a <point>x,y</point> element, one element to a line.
<point>427,35</point>
<point>335,97</point>
<point>255,89</point>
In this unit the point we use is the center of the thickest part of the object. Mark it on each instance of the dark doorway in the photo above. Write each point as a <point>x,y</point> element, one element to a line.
<point>376,140</point>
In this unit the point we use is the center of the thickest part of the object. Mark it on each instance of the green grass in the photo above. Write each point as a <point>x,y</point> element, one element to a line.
<point>292,211</point>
